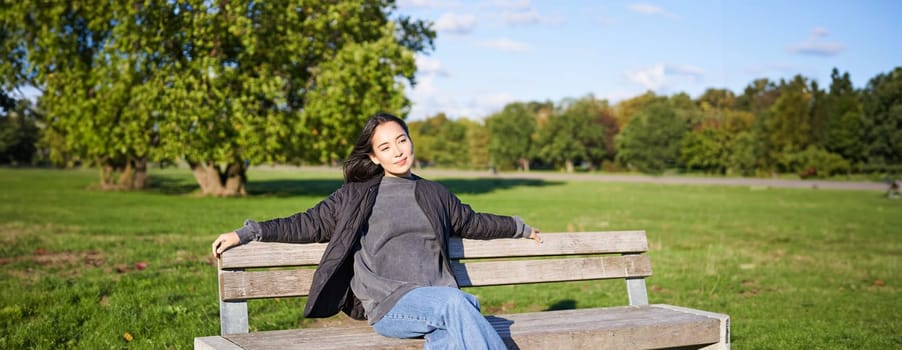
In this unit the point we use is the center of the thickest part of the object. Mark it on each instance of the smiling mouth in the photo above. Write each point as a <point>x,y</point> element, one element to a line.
<point>402,161</point>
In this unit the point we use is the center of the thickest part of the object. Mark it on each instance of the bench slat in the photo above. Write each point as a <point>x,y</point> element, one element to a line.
<point>255,254</point>
<point>238,285</point>
<point>491,273</point>
<point>642,327</point>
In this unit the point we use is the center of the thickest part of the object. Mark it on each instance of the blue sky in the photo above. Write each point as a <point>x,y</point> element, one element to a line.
<point>492,52</point>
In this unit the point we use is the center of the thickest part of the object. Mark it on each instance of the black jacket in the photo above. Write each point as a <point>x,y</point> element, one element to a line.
<point>341,219</point>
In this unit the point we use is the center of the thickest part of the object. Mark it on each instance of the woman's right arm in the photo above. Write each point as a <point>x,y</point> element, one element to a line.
<point>314,225</point>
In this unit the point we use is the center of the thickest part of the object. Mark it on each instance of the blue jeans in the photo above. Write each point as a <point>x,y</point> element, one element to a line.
<point>447,317</point>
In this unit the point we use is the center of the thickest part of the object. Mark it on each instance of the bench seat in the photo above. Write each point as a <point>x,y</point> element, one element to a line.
<point>626,327</point>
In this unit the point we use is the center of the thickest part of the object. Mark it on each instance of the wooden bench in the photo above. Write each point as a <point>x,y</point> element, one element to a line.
<point>562,257</point>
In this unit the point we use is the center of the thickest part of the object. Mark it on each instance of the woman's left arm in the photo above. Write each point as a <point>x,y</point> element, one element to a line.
<point>474,225</point>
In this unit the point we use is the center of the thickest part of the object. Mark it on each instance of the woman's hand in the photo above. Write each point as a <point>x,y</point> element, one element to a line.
<point>534,235</point>
<point>225,241</point>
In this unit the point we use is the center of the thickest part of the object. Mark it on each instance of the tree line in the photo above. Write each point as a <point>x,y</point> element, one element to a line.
<point>790,126</point>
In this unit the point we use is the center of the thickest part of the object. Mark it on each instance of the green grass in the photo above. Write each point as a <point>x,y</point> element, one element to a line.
<point>794,268</point>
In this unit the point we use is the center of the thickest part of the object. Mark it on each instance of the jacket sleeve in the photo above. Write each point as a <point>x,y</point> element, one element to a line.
<point>312,226</point>
<point>470,224</point>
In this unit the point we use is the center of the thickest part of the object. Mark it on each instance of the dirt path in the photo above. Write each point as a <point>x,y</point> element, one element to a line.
<point>683,180</point>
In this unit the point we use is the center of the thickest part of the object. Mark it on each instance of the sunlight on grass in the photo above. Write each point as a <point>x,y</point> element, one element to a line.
<point>792,267</point>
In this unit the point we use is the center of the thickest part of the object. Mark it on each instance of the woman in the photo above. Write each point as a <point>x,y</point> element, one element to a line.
<point>387,258</point>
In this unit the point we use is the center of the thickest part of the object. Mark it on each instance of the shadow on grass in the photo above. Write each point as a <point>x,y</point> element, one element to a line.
<point>323,187</point>
<point>566,304</point>
<point>174,185</point>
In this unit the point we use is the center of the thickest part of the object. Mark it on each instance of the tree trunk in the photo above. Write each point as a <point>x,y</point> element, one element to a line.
<point>524,164</point>
<point>130,174</point>
<point>140,182</point>
<point>125,176</point>
<point>235,180</point>
<point>213,181</point>
<point>569,165</point>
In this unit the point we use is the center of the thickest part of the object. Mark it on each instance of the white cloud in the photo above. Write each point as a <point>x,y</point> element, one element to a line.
<point>664,76</point>
<point>506,45</point>
<point>483,105</point>
<point>684,70</point>
<point>429,66</point>
<point>650,78</point>
<point>521,17</point>
<point>429,4</point>
<point>429,101</point>
<point>512,4</point>
<point>815,46</point>
<point>454,23</point>
<point>651,10</point>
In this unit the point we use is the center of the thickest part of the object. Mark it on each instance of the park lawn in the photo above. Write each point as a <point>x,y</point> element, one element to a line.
<point>794,268</point>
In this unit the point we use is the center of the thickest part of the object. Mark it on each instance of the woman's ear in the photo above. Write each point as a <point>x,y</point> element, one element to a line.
<point>373,159</point>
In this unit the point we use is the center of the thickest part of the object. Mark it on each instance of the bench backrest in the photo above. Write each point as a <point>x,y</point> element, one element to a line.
<point>276,270</point>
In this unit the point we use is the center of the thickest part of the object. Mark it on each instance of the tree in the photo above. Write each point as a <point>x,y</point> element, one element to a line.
<point>477,144</point>
<point>844,115</point>
<point>706,150</point>
<point>651,141</point>
<point>575,134</point>
<point>789,127</point>
<point>440,141</point>
<point>19,131</point>
<point>220,84</point>
<point>628,108</point>
<point>882,122</point>
<point>511,136</point>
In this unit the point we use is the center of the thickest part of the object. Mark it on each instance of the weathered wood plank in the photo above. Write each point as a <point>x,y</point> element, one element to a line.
<point>631,327</point>
<point>257,254</point>
<point>214,343</point>
<point>270,254</point>
<point>490,273</point>
<point>553,244</point>
<point>237,285</point>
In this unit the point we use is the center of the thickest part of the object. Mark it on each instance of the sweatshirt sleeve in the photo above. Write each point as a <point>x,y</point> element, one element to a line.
<point>249,232</point>
<point>523,230</point>
<point>314,225</point>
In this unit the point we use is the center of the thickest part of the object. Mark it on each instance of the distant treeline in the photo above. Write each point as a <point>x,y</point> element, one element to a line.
<point>791,126</point>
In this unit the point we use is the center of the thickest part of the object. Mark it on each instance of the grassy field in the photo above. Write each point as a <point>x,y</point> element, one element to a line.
<point>794,268</point>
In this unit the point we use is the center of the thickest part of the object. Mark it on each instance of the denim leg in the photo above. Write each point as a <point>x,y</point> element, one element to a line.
<point>447,317</point>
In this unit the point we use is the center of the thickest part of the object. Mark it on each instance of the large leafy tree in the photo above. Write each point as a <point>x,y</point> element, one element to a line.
<point>477,144</point>
<point>512,136</point>
<point>844,114</point>
<point>19,131</point>
<point>882,122</point>
<point>219,84</point>
<point>651,141</point>
<point>77,53</point>
<point>440,141</point>
<point>789,127</point>
<point>576,133</point>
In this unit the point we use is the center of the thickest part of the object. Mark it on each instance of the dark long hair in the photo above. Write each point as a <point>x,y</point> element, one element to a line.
<point>359,167</point>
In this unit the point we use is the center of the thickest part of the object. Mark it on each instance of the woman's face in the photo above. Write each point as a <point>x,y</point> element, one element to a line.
<point>392,149</point>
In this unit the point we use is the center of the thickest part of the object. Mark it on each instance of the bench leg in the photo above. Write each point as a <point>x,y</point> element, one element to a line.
<point>233,317</point>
